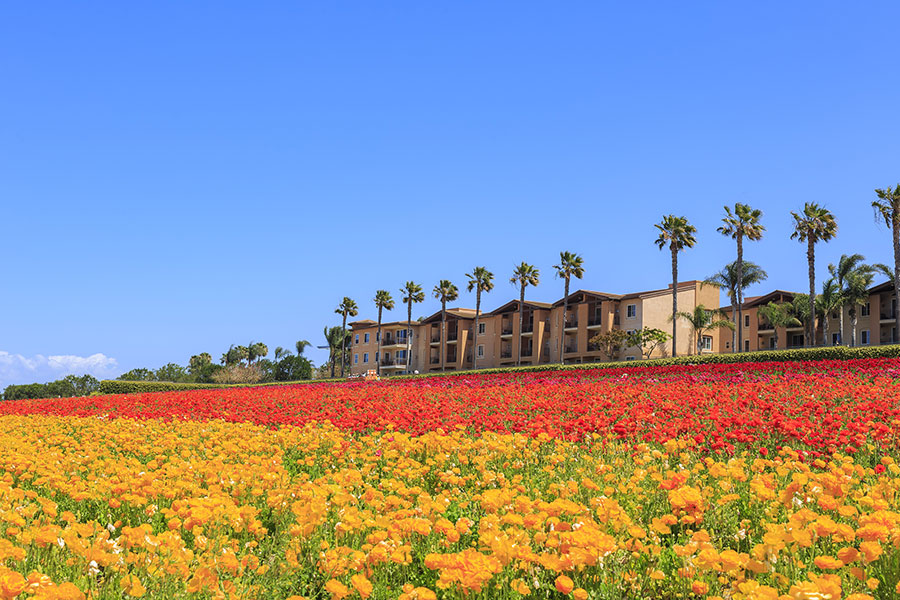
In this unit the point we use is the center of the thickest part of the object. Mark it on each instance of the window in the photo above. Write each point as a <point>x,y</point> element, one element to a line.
<point>481,328</point>
<point>835,339</point>
<point>480,352</point>
<point>797,340</point>
<point>746,320</point>
<point>727,345</point>
<point>834,314</point>
<point>631,311</point>
<point>377,337</point>
<point>356,359</point>
<point>746,345</point>
<point>864,337</point>
<point>866,309</point>
<point>356,339</point>
<point>365,357</point>
<point>401,335</point>
<point>629,332</point>
<point>630,358</point>
<point>400,355</point>
<point>772,342</point>
<point>706,342</point>
<point>376,357</point>
<point>366,338</point>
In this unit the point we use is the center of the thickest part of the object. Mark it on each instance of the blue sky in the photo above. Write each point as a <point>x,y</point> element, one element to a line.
<point>175,178</point>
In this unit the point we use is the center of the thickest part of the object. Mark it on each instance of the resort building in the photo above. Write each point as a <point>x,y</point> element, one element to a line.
<point>499,341</point>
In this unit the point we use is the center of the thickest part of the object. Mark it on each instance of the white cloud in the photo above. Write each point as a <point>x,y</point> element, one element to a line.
<point>17,369</point>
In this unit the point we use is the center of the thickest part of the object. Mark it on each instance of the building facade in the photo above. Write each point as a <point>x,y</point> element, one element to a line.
<point>427,346</point>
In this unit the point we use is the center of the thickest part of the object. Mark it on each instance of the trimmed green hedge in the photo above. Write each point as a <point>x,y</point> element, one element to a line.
<point>802,354</point>
<point>115,386</point>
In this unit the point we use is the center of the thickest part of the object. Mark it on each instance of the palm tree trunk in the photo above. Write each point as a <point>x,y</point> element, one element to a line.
<point>825,341</point>
<point>740,290</point>
<point>378,346</point>
<point>811,260</point>
<point>674,301</point>
<point>443,332</point>
<point>521,320</point>
<point>475,337</point>
<point>841,313</point>
<point>895,230</point>
<point>562,334</point>
<point>343,342</point>
<point>853,323</point>
<point>775,330</point>
<point>408,334</point>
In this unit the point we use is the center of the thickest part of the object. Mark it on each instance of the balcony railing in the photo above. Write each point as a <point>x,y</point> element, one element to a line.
<point>765,327</point>
<point>595,320</point>
<point>387,362</point>
<point>506,329</point>
<point>435,337</point>
<point>452,335</point>
<point>435,360</point>
<point>506,354</point>
<point>571,323</point>
<point>889,315</point>
<point>527,327</point>
<point>393,341</point>
<point>569,348</point>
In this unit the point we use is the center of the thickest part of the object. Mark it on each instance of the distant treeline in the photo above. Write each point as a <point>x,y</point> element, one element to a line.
<point>68,386</point>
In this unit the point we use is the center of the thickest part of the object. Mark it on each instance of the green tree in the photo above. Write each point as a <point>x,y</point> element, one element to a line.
<point>281,353</point>
<point>855,294</point>
<point>172,372</point>
<point>139,374</point>
<point>570,265</point>
<point>255,351</point>
<point>610,343</point>
<point>412,294</point>
<point>738,225</point>
<point>778,315</point>
<point>198,361</point>
<point>383,301</point>
<point>827,302</point>
<point>703,319</point>
<point>336,338</point>
<point>347,308</point>
<point>647,339</point>
<point>840,273</point>
<point>677,234</point>
<point>301,346</point>
<point>292,368</point>
<point>727,279</point>
<point>887,208</point>
<point>812,225</point>
<point>444,291</point>
<point>523,276</point>
<point>480,280</point>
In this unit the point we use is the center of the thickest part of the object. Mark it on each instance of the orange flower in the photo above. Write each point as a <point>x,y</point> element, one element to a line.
<point>564,585</point>
<point>337,589</point>
<point>362,585</point>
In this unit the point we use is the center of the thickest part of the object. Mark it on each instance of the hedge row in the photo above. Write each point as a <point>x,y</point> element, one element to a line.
<point>115,386</point>
<point>800,354</point>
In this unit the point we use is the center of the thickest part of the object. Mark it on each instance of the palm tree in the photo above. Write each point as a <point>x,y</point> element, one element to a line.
<point>570,265</point>
<point>412,293</point>
<point>857,294</point>
<point>301,346</point>
<point>846,266</point>
<point>740,224</point>
<point>480,280</point>
<point>778,315</point>
<point>703,319</point>
<point>444,291</point>
<point>383,301</point>
<point>676,233</point>
<point>888,208</point>
<point>826,303</point>
<point>813,225</point>
<point>346,308</point>
<point>727,279</point>
<point>255,351</point>
<point>281,353</point>
<point>523,275</point>
<point>333,337</point>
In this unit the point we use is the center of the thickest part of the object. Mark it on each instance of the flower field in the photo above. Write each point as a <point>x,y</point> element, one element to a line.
<point>738,482</point>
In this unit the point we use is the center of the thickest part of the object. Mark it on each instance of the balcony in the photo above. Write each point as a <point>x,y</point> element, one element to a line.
<point>765,327</point>
<point>506,354</point>
<point>435,338</point>
<point>452,335</point>
<point>435,360</point>
<point>506,329</point>
<point>571,323</point>
<point>571,348</point>
<point>595,320</point>
<point>528,327</point>
<point>387,362</point>
<point>889,316</point>
<point>393,341</point>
